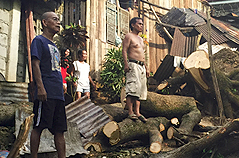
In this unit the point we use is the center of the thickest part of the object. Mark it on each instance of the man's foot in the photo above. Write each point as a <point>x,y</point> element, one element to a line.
<point>133,117</point>
<point>142,118</point>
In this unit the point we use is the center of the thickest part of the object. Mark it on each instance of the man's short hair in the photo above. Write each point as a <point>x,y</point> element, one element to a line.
<point>133,21</point>
<point>45,17</point>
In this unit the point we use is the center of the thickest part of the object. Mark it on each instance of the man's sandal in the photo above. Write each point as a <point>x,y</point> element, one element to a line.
<point>133,117</point>
<point>142,118</point>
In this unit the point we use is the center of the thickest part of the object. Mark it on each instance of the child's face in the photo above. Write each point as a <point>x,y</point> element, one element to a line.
<point>83,56</point>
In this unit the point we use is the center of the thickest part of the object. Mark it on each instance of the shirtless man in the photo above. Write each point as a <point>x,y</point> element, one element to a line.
<point>135,69</point>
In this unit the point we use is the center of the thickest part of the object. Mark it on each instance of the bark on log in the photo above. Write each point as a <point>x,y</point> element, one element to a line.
<point>170,106</point>
<point>116,113</point>
<point>156,140</point>
<point>194,148</point>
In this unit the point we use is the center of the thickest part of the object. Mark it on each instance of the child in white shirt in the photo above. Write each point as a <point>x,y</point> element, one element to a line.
<point>81,71</point>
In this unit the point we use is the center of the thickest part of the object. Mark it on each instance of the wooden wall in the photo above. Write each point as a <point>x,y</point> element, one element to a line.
<point>97,45</point>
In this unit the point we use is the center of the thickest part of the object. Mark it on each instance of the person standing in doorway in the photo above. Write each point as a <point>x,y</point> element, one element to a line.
<point>135,69</point>
<point>81,71</point>
<point>49,108</point>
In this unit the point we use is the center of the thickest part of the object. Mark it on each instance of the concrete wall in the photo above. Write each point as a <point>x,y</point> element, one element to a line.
<point>10,12</point>
<point>5,7</point>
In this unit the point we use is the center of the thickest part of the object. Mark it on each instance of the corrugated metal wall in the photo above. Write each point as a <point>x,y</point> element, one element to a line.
<point>13,92</point>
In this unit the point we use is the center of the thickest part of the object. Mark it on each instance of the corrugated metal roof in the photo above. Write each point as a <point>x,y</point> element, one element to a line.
<point>217,37</point>
<point>192,19</point>
<point>228,31</point>
<point>88,117</point>
<point>183,46</point>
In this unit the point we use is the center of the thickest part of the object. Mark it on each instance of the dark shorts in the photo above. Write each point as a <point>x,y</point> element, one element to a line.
<point>50,114</point>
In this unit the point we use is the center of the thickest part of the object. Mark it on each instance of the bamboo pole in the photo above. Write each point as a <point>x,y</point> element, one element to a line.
<point>212,69</point>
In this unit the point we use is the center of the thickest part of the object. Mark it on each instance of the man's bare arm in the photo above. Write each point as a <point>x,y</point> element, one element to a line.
<point>41,92</point>
<point>126,44</point>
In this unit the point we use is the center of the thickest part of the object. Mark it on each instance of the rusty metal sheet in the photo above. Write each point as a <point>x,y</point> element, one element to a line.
<point>217,37</point>
<point>183,46</point>
<point>88,117</point>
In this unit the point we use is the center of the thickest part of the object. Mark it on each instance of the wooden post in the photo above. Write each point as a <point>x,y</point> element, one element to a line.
<point>30,33</point>
<point>212,69</point>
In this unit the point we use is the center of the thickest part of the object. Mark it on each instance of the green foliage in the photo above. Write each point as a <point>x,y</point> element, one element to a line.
<point>112,75</point>
<point>71,79</point>
<point>74,35</point>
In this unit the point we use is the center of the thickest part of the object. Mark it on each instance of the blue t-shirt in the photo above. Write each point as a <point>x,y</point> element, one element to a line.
<point>48,54</point>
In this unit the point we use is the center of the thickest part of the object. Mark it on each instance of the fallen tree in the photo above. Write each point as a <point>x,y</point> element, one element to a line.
<point>159,109</point>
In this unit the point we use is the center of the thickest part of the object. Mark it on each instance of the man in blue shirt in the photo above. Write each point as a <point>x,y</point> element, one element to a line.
<point>49,106</point>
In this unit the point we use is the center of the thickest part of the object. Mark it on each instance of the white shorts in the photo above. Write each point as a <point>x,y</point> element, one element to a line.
<point>136,81</point>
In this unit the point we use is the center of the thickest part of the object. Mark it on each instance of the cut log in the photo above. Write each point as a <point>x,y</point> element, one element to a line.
<point>109,128</point>
<point>198,59</point>
<point>93,147</point>
<point>174,121</point>
<point>170,132</point>
<point>162,85</point>
<point>161,127</point>
<point>155,139</point>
